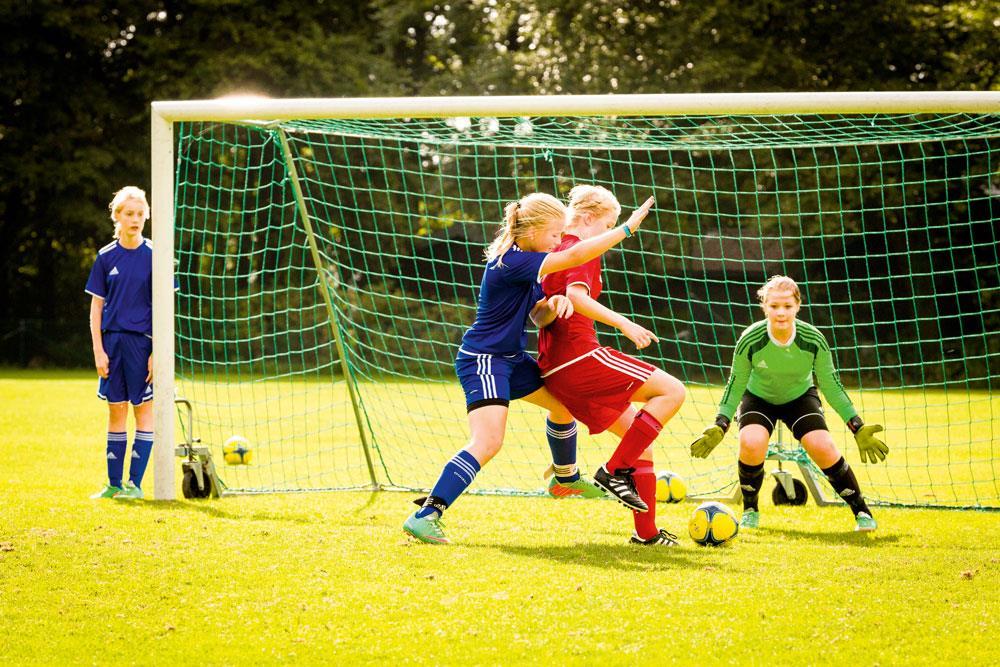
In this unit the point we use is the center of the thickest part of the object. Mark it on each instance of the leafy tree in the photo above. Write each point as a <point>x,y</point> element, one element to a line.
<point>79,78</point>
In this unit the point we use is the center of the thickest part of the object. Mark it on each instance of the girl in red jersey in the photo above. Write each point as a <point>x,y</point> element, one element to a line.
<point>598,384</point>
<point>492,365</point>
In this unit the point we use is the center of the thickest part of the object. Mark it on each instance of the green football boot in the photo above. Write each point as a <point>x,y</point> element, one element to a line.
<point>751,519</point>
<point>864,523</point>
<point>108,492</point>
<point>129,492</point>
<point>426,529</point>
<point>581,488</point>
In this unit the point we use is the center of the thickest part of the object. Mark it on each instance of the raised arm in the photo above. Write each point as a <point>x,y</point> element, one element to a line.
<point>584,251</point>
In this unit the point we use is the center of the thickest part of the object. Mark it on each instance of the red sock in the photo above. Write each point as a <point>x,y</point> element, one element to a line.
<point>637,438</point>
<point>645,484</point>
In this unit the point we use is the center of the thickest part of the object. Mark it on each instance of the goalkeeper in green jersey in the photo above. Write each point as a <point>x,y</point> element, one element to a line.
<point>772,379</point>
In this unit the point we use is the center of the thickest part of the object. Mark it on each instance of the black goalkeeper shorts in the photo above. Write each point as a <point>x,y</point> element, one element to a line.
<point>801,415</point>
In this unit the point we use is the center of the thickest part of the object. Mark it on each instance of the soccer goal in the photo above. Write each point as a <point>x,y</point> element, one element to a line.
<point>329,252</point>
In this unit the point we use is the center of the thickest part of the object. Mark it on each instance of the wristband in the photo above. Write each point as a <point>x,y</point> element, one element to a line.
<point>722,422</point>
<point>855,423</point>
<point>628,232</point>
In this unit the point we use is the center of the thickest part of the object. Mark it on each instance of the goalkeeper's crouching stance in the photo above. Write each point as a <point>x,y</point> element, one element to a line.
<point>772,379</point>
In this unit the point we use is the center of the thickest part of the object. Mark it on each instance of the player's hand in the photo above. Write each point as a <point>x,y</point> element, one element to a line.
<point>639,215</point>
<point>641,336</point>
<point>709,440</point>
<point>562,305</point>
<point>872,449</point>
<point>101,362</point>
<point>149,370</point>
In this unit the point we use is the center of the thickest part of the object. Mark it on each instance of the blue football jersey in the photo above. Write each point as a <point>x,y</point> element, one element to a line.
<point>124,279</point>
<point>506,295</point>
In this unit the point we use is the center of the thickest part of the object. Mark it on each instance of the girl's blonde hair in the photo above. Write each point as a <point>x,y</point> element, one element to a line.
<point>522,218</point>
<point>780,284</point>
<point>126,193</point>
<point>593,199</point>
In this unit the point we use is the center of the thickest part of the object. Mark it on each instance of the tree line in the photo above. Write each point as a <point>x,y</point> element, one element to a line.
<point>79,78</point>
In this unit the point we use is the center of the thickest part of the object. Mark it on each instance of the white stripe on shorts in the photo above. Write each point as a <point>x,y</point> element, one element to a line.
<point>808,414</point>
<point>755,412</point>
<point>568,363</point>
<point>484,369</point>
<point>622,366</point>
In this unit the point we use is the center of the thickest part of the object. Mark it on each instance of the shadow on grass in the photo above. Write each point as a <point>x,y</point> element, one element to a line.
<point>369,502</point>
<point>617,557</point>
<point>210,508</point>
<point>849,537</point>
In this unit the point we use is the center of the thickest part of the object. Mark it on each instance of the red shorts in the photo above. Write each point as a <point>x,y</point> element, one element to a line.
<point>597,388</point>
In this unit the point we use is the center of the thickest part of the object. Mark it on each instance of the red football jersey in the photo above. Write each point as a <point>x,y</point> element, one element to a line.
<point>567,339</point>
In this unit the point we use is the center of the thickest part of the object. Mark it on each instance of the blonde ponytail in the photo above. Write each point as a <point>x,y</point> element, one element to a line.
<point>521,218</point>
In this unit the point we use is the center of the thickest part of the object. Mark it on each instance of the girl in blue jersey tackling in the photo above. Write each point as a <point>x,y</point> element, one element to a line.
<point>492,364</point>
<point>772,378</point>
<point>121,329</point>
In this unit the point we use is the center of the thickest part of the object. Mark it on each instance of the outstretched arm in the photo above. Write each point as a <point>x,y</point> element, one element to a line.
<point>584,304</point>
<point>739,376</point>
<point>584,251</point>
<point>737,384</point>
<point>871,448</point>
<point>828,381</point>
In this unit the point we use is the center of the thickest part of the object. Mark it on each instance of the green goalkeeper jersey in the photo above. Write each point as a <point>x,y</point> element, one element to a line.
<point>782,373</point>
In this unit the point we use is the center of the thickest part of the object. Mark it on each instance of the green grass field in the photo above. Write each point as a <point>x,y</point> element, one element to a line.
<point>330,577</point>
<point>945,444</point>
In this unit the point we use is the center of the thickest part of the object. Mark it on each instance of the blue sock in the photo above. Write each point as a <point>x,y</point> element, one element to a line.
<point>141,447</point>
<point>455,478</point>
<point>562,442</point>
<point>117,442</point>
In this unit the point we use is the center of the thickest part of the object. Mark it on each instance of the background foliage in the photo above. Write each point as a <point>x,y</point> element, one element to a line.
<point>79,78</point>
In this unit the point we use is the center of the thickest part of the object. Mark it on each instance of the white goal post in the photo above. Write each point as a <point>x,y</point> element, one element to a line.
<point>165,113</point>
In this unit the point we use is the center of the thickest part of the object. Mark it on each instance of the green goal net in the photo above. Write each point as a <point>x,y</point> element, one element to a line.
<point>328,269</point>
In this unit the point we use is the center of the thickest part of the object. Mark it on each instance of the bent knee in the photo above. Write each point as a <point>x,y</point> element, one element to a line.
<point>754,439</point>
<point>676,391</point>
<point>666,389</point>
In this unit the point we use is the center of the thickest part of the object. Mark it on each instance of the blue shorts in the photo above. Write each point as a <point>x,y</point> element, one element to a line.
<point>496,379</point>
<point>128,365</point>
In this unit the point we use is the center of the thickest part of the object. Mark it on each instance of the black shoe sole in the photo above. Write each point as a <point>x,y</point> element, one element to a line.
<point>611,493</point>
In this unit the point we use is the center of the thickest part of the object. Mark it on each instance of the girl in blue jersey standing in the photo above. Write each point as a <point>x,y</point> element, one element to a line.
<point>492,364</point>
<point>121,329</point>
